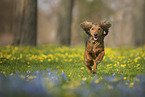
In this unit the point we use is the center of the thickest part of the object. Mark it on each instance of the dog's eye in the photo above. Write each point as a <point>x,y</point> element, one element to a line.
<point>92,29</point>
<point>99,29</point>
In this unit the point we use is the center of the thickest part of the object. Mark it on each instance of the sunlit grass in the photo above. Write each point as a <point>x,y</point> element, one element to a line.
<point>121,61</point>
<point>60,71</point>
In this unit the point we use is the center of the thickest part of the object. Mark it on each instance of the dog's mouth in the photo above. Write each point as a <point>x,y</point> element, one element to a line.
<point>95,38</point>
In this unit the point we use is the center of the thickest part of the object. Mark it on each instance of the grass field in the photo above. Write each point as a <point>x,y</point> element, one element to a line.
<point>63,67</point>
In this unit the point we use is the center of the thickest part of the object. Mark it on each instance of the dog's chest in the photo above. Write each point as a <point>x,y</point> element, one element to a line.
<point>94,47</point>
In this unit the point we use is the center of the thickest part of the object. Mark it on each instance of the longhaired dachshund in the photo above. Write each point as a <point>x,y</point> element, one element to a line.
<point>94,50</point>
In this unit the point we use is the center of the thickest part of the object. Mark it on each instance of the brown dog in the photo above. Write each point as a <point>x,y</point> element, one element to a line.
<point>94,51</point>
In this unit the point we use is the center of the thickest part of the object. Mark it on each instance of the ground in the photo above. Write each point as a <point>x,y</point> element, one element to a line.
<point>49,66</point>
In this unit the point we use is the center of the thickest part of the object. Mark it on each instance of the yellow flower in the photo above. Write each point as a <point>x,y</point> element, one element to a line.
<point>29,66</point>
<point>96,81</point>
<point>82,67</point>
<point>135,60</point>
<point>124,77</point>
<point>137,79</point>
<point>84,78</point>
<point>65,60</point>
<point>49,60</point>
<point>69,75</point>
<point>126,83</point>
<point>30,77</point>
<point>21,55</point>
<point>22,77</point>
<point>70,60</point>
<point>123,65</point>
<point>41,60</point>
<point>4,72</point>
<point>138,65</point>
<point>131,84</point>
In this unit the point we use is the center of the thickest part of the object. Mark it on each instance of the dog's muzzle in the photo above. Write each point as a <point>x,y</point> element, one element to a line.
<point>95,36</point>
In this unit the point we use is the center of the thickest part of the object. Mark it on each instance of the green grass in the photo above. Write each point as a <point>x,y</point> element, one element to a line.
<point>121,61</point>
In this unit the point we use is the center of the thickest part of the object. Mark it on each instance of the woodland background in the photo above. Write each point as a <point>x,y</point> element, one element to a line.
<point>57,21</point>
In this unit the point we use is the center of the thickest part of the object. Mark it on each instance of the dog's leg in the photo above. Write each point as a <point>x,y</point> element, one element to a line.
<point>95,66</point>
<point>100,57</point>
<point>89,64</point>
<point>98,60</point>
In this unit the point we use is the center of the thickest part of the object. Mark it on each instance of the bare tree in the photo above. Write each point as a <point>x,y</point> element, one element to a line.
<point>26,23</point>
<point>64,22</point>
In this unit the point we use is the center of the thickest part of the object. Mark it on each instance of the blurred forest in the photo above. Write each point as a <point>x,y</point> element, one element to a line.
<point>127,18</point>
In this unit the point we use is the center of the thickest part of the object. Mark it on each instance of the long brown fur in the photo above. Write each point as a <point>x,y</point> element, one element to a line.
<point>94,51</point>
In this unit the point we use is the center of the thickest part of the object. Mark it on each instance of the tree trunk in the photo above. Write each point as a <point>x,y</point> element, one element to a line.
<point>128,23</point>
<point>18,22</point>
<point>25,30</point>
<point>138,23</point>
<point>29,25</point>
<point>64,22</point>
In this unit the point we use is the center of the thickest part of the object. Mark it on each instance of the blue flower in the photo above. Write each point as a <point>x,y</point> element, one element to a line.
<point>113,74</point>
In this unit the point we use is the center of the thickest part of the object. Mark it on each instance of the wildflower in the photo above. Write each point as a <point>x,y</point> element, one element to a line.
<point>131,84</point>
<point>31,77</point>
<point>64,76</point>
<point>37,72</point>
<point>4,72</point>
<point>124,77</point>
<point>70,60</point>
<point>21,55</point>
<point>96,81</point>
<point>126,83</point>
<point>84,78</point>
<point>69,75</point>
<point>29,66</point>
<point>41,60</point>
<point>135,60</point>
<point>113,74</point>
<point>65,60</point>
<point>137,79</point>
<point>123,65</point>
<point>22,77</point>
<point>82,67</point>
<point>138,65</point>
<point>12,74</point>
<point>49,60</point>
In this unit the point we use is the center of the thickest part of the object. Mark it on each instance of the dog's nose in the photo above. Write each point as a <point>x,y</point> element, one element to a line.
<point>95,34</point>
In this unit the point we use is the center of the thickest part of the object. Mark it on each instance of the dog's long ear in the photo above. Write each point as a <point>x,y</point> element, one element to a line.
<point>105,26</point>
<point>86,26</point>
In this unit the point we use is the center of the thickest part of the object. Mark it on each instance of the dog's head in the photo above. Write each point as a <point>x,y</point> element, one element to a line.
<point>96,30</point>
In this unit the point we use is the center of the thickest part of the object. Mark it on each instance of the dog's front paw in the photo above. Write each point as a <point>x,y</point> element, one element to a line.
<point>94,72</point>
<point>98,61</point>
